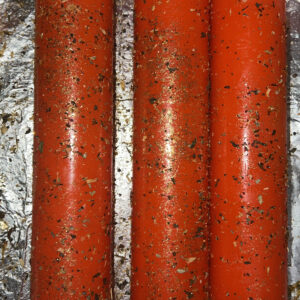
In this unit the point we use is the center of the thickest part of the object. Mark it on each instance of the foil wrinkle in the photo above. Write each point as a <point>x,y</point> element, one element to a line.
<point>16,109</point>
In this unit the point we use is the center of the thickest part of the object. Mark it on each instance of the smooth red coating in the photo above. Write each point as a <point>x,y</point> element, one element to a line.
<point>248,168</point>
<point>71,255</point>
<point>170,194</point>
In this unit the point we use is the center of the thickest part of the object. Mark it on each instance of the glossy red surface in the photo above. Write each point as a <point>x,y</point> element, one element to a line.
<point>170,176</point>
<point>71,256</point>
<point>248,168</point>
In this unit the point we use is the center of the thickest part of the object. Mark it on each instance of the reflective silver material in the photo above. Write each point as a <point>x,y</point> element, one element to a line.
<point>123,146</point>
<point>16,107</point>
<point>293,20</point>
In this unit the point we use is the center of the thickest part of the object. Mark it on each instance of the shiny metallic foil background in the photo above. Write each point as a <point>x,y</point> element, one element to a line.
<point>16,137</point>
<point>293,41</point>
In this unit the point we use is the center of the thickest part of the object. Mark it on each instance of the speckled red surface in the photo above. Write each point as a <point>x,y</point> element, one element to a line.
<point>71,256</point>
<point>170,173</point>
<point>248,144</point>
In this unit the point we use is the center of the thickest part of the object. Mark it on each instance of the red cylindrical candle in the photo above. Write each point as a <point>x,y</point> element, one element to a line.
<point>248,168</point>
<point>170,194</point>
<point>71,244</point>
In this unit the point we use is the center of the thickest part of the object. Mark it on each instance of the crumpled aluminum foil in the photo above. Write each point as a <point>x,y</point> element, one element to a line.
<point>16,108</point>
<point>16,136</point>
<point>293,22</point>
<point>123,146</point>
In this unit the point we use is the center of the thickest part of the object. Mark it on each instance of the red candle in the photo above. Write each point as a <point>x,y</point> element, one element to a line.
<point>71,256</point>
<point>248,168</point>
<point>170,185</point>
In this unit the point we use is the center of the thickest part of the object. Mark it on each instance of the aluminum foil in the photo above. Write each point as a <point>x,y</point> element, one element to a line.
<point>293,20</point>
<point>16,107</point>
<point>123,146</point>
<point>16,136</point>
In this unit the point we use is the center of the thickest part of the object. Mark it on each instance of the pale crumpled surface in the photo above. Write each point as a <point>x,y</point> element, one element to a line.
<point>123,146</point>
<point>16,108</point>
<point>16,136</point>
<point>293,22</point>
